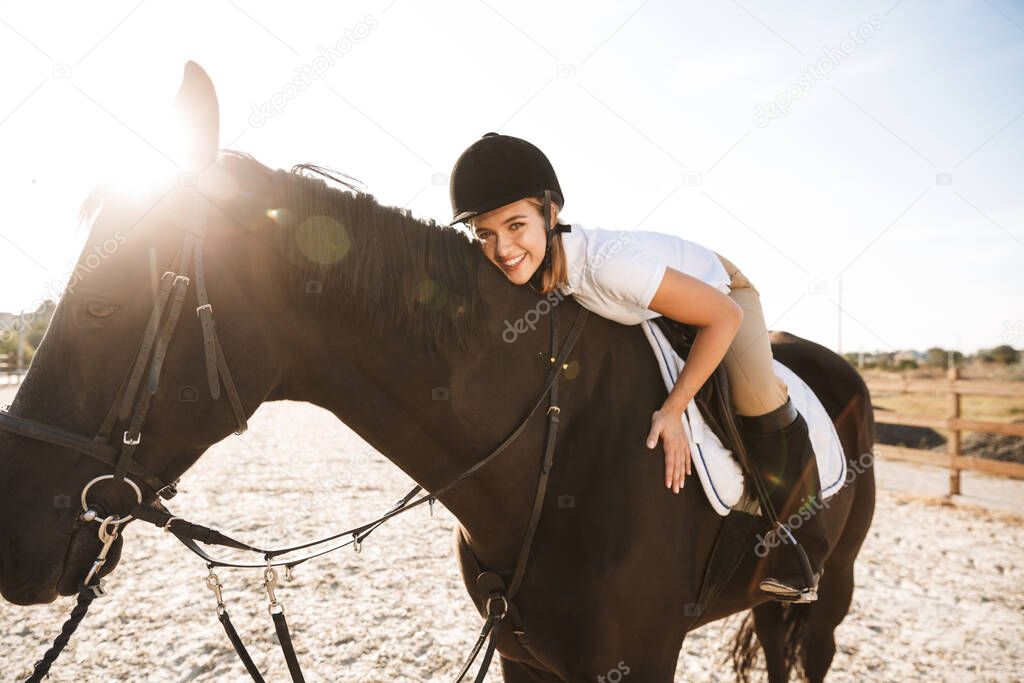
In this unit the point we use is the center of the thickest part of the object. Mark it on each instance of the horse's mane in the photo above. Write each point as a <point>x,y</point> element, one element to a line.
<point>392,273</point>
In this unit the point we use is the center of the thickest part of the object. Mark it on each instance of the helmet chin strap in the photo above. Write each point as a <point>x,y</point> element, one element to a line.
<point>537,279</point>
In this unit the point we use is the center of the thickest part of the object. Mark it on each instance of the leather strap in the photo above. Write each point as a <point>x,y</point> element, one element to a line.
<point>285,638</point>
<point>216,365</point>
<point>141,408</point>
<point>726,556</point>
<point>185,529</point>
<point>497,591</point>
<point>145,346</point>
<point>102,452</point>
<point>239,646</point>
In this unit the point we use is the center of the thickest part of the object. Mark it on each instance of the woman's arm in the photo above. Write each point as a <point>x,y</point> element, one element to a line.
<point>687,299</point>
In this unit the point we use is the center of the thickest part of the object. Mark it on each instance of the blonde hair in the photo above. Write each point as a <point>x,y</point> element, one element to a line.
<point>558,274</point>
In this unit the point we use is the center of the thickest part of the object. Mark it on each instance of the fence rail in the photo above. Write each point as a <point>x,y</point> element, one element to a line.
<point>951,390</point>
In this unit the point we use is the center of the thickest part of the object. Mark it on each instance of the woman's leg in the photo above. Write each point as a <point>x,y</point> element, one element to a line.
<point>755,388</point>
<point>778,439</point>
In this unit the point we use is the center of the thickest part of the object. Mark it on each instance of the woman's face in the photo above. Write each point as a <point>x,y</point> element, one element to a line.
<point>513,239</point>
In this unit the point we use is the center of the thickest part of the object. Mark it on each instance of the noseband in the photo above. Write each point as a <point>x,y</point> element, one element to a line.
<point>132,405</point>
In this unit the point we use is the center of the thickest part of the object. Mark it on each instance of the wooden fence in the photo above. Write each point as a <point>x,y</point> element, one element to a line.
<point>949,391</point>
<point>9,369</point>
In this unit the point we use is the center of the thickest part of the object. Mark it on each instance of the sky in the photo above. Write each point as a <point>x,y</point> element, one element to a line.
<point>860,162</point>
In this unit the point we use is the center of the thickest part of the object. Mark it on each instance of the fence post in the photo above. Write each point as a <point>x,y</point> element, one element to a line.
<point>953,447</point>
<point>21,347</point>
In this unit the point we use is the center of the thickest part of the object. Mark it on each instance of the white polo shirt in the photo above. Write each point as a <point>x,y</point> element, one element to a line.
<point>615,273</point>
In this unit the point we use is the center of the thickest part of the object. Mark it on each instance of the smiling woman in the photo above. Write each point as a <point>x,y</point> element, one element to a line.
<point>507,190</point>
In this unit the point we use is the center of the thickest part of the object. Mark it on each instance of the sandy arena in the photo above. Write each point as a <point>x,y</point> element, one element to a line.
<point>940,594</point>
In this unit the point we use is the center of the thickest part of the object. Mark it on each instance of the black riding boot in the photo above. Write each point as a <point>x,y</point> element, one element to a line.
<point>780,448</point>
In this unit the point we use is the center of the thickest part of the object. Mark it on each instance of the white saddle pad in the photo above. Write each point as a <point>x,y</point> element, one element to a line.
<point>717,468</point>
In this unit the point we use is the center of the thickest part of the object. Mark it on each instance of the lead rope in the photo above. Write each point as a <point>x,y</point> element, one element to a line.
<point>90,588</point>
<point>42,667</point>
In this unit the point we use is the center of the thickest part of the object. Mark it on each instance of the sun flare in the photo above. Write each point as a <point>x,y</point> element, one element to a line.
<point>150,161</point>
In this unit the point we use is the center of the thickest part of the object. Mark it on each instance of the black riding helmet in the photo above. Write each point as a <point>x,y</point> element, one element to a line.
<point>500,169</point>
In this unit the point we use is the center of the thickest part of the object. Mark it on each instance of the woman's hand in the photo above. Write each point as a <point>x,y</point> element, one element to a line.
<point>667,423</point>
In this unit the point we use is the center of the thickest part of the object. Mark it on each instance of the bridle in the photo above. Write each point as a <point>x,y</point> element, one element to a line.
<point>132,404</point>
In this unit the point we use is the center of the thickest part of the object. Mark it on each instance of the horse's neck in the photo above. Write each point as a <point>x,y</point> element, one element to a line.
<point>434,417</point>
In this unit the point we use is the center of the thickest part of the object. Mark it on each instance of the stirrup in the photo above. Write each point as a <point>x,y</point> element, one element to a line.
<point>787,593</point>
<point>804,596</point>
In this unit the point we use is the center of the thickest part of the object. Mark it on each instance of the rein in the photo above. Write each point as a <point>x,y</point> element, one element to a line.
<point>132,405</point>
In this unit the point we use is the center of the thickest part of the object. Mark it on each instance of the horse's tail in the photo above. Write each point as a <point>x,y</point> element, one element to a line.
<point>745,646</point>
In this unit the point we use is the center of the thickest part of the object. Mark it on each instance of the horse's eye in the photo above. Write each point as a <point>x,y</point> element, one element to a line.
<point>100,310</point>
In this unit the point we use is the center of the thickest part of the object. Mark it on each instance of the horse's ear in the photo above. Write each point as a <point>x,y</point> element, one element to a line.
<point>197,111</point>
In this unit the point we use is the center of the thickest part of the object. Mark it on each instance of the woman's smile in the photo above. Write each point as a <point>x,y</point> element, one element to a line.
<point>513,263</point>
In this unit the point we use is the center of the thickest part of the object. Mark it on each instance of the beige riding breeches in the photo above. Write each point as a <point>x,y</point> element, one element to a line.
<point>753,383</point>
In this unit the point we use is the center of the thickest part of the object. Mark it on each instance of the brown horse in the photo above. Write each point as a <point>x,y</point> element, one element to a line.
<point>399,327</point>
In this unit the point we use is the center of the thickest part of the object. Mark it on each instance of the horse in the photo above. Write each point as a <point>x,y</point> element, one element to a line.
<point>399,327</point>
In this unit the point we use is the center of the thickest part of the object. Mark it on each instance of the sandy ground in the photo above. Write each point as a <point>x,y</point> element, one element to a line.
<point>940,595</point>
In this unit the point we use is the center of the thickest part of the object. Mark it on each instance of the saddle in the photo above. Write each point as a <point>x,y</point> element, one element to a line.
<point>713,398</point>
<point>726,471</point>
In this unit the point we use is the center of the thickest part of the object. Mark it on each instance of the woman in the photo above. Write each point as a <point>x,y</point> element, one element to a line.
<point>499,185</point>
